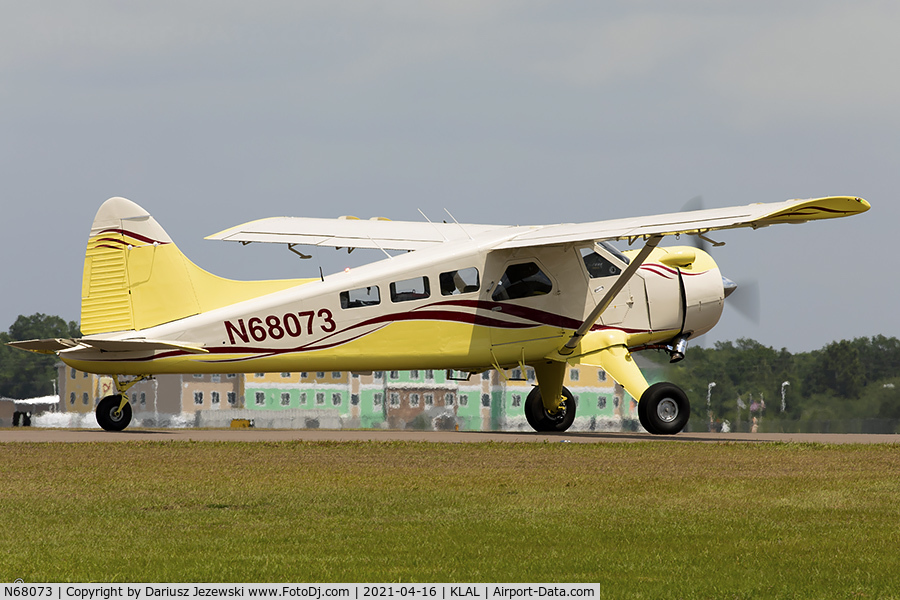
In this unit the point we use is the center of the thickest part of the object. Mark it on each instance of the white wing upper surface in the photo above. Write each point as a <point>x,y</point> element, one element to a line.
<point>409,235</point>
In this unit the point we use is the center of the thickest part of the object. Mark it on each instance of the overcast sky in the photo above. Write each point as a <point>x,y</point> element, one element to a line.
<point>213,113</point>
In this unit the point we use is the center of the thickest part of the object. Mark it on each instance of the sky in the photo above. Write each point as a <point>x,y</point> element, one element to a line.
<point>212,113</point>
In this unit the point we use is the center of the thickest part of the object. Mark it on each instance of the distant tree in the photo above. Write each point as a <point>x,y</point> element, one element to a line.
<point>26,374</point>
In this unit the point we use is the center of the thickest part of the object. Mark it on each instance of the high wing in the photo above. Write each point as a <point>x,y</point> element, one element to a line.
<point>350,232</point>
<point>409,235</point>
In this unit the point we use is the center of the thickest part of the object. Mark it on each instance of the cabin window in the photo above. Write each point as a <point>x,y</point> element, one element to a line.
<point>522,281</point>
<point>367,296</point>
<point>462,281</point>
<point>416,288</point>
<point>596,265</point>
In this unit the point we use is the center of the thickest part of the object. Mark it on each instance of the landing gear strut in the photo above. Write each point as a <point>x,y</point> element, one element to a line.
<point>664,409</point>
<point>114,412</point>
<point>541,419</point>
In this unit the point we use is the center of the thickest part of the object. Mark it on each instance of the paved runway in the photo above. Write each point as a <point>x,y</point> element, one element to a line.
<point>28,434</point>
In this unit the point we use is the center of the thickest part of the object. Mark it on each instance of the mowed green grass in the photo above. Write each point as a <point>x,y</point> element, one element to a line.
<point>645,520</point>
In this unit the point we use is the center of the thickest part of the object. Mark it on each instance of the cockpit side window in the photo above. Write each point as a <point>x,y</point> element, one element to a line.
<point>522,281</point>
<point>597,265</point>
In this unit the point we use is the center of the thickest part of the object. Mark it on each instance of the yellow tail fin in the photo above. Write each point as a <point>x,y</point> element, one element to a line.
<point>135,277</point>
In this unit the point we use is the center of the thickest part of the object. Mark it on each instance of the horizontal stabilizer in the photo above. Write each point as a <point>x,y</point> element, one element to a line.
<point>54,345</point>
<point>47,346</point>
<point>140,344</point>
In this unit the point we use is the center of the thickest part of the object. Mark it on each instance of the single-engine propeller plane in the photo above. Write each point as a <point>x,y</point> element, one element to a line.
<point>463,297</point>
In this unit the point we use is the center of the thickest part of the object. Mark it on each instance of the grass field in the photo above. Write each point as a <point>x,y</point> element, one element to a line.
<point>645,520</point>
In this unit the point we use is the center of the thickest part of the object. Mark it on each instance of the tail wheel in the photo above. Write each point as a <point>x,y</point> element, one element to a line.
<point>109,417</point>
<point>542,420</point>
<point>664,409</point>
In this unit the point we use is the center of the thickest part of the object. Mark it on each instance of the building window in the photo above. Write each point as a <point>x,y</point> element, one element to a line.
<point>395,374</point>
<point>285,398</point>
<point>601,402</point>
<point>231,376</point>
<point>320,397</point>
<point>429,399</point>
<point>354,399</point>
<point>336,399</point>
<point>395,399</point>
<point>414,375</point>
<point>413,399</point>
<point>214,398</point>
<point>198,397</point>
<point>304,374</point>
<point>335,374</point>
<point>573,374</point>
<point>85,399</point>
<point>72,398</point>
<point>260,398</point>
<point>463,399</point>
<point>517,399</point>
<point>232,398</point>
<point>486,376</point>
<point>485,400</point>
<point>285,375</point>
<point>530,373</point>
<point>85,375</point>
<point>303,398</point>
<point>377,399</point>
<point>260,375</point>
<point>198,376</point>
<point>516,374</point>
<point>215,377</point>
<point>143,398</point>
<point>73,373</point>
<point>378,375</point>
<point>448,399</point>
<point>320,374</point>
<point>134,398</point>
<point>601,375</point>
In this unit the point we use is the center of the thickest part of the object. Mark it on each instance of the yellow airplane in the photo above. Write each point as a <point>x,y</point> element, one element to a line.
<point>464,297</point>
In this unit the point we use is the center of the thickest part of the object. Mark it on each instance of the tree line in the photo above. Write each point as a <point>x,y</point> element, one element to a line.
<point>26,374</point>
<point>844,381</point>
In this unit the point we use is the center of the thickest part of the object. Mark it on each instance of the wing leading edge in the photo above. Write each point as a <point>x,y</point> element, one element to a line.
<point>410,235</point>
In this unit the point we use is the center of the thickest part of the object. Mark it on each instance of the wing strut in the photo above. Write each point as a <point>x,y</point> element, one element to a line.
<point>626,275</point>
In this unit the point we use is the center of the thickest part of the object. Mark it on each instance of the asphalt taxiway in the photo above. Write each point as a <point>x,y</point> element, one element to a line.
<point>29,434</point>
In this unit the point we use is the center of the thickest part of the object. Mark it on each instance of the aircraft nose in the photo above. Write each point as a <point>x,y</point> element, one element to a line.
<point>729,286</point>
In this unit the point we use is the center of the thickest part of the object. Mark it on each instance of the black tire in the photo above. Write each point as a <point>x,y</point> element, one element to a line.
<point>540,420</point>
<point>108,415</point>
<point>664,409</point>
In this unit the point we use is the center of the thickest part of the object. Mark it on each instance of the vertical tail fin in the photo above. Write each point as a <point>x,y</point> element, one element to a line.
<point>135,277</point>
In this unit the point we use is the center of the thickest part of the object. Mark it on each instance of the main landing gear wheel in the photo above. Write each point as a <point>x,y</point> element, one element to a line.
<point>664,409</point>
<point>542,420</point>
<point>109,417</point>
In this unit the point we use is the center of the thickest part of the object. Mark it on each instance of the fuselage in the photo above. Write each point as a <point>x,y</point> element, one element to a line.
<point>470,308</point>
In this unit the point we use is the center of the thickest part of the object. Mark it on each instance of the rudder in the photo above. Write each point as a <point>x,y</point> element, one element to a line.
<point>135,277</point>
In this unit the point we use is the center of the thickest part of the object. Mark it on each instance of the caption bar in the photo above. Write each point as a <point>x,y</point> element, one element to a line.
<point>150,591</point>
